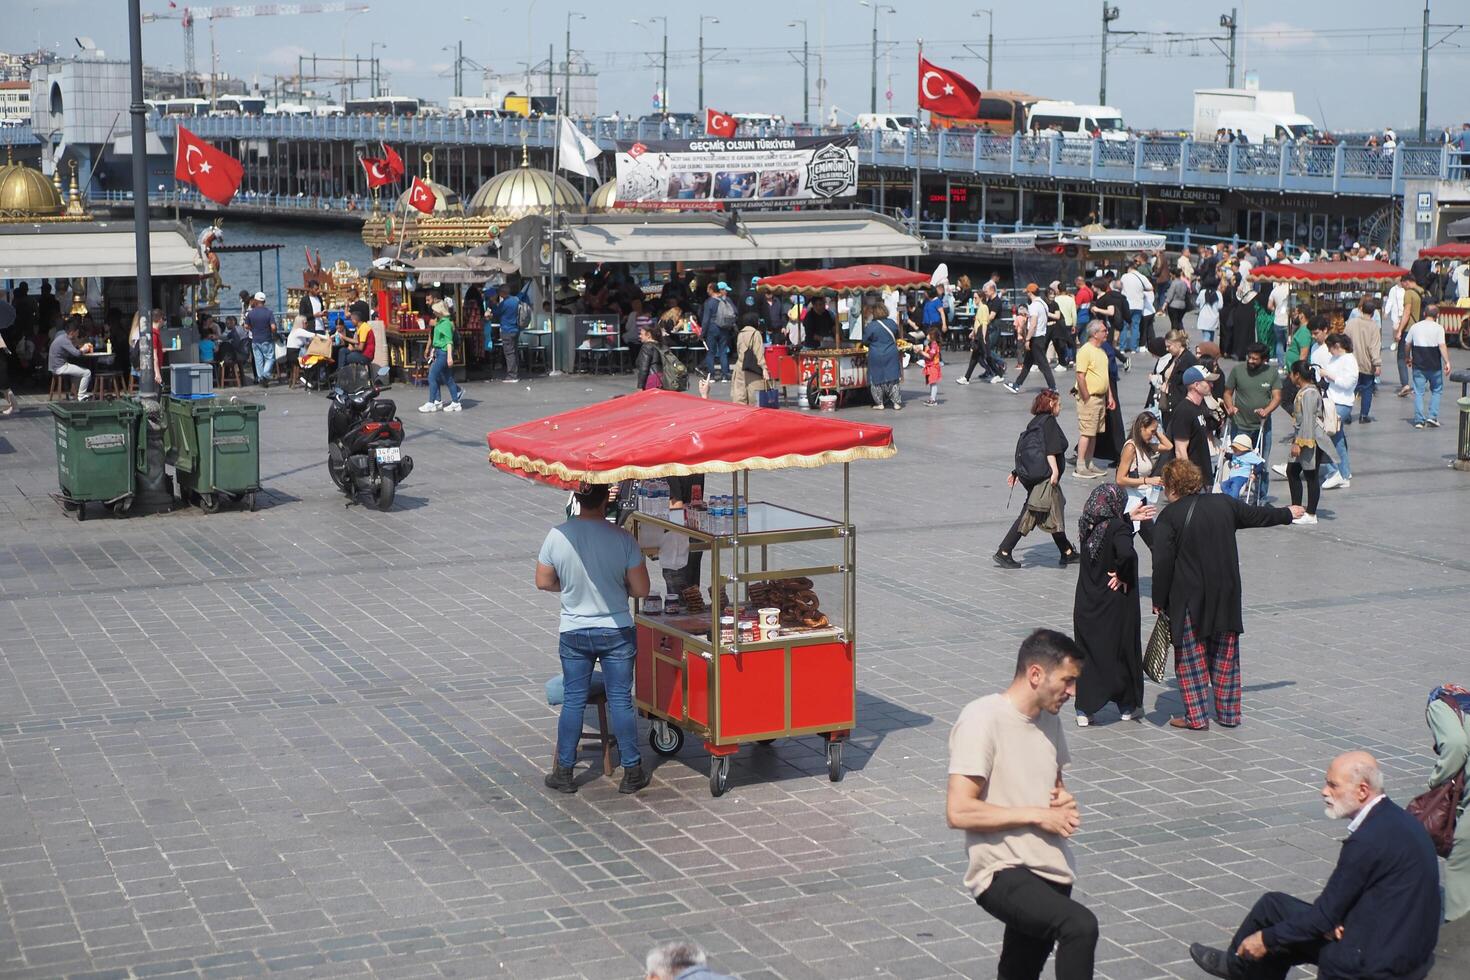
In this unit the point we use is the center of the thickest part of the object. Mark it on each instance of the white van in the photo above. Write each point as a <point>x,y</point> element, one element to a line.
<point>1075,121</point>
<point>888,122</point>
<point>1262,127</point>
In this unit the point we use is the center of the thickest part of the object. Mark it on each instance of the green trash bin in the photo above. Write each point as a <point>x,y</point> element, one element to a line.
<point>95,442</point>
<point>214,447</point>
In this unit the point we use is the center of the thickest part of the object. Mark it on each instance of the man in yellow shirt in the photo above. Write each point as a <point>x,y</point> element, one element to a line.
<point>1094,398</point>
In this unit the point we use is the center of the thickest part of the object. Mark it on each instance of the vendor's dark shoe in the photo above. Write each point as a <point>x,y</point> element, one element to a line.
<point>1215,962</point>
<point>635,778</point>
<point>1004,560</point>
<point>560,779</point>
<point>1069,558</point>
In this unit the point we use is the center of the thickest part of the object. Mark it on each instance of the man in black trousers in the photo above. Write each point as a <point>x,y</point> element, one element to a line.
<point>1378,915</point>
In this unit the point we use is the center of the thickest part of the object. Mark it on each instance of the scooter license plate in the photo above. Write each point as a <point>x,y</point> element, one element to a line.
<point>390,455</point>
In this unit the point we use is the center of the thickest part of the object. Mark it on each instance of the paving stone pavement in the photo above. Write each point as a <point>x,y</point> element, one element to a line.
<point>309,741</point>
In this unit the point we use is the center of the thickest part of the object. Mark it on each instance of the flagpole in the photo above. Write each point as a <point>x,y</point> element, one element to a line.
<point>551,273</point>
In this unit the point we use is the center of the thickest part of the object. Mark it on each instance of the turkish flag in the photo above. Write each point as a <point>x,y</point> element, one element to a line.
<point>946,92</point>
<point>394,161</point>
<point>422,196</point>
<point>214,172</point>
<point>637,150</point>
<point>379,172</point>
<point>718,123</point>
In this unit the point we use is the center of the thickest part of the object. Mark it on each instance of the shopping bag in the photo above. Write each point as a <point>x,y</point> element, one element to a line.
<point>1156,654</point>
<point>321,346</point>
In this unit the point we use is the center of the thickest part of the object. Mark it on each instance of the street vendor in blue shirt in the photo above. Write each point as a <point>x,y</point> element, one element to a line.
<point>880,334</point>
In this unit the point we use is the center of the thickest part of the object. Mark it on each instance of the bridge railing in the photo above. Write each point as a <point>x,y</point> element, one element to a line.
<point>1148,160</point>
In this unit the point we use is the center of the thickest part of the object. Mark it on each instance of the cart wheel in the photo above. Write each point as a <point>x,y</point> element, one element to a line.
<point>665,739</point>
<point>834,761</point>
<point>122,507</point>
<point>766,741</point>
<point>81,506</point>
<point>719,774</point>
<point>69,505</point>
<point>1465,334</point>
<point>250,501</point>
<point>209,503</point>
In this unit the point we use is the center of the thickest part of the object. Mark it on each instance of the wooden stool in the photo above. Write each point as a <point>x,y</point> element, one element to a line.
<point>62,388</point>
<point>601,736</point>
<point>229,374</point>
<point>107,384</point>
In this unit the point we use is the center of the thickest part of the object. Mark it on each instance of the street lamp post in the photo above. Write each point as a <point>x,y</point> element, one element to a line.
<point>663,84</point>
<point>345,24</point>
<point>566,88</point>
<point>806,85</point>
<point>703,19</point>
<point>989,15</point>
<point>373,47</point>
<point>1109,14</point>
<point>878,8</point>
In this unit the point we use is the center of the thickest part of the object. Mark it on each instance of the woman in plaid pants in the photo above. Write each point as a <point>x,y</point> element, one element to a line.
<point>1197,583</point>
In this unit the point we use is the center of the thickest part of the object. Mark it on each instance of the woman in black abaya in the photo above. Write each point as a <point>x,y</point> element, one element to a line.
<point>1105,614</point>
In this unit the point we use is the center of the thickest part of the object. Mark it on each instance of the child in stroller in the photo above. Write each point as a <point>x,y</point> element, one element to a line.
<point>1242,470</point>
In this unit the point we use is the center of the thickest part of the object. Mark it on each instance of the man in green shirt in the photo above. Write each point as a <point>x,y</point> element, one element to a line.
<point>1300,343</point>
<point>1252,393</point>
<point>441,362</point>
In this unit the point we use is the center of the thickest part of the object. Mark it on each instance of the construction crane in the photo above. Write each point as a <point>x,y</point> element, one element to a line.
<point>188,14</point>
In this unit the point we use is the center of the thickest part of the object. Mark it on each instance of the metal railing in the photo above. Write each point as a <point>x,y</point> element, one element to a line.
<point>270,203</point>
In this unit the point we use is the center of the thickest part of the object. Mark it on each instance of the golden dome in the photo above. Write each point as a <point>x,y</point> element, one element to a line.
<point>26,193</point>
<point>522,191</point>
<point>446,203</point>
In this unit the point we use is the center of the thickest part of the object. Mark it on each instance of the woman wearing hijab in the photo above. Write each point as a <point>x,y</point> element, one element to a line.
<point>1105,616</point>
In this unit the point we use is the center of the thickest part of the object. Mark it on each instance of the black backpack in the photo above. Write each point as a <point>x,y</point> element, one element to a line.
<point>1031,462</point>
<point>675,375</point>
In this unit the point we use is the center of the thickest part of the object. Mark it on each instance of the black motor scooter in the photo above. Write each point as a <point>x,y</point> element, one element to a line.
<point>364,439</point>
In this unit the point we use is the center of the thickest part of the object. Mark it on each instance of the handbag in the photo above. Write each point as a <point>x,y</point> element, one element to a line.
<point>1156,654</point>
<point>1161,640</point>
<point>1437,809</point>
<point>320,346</point>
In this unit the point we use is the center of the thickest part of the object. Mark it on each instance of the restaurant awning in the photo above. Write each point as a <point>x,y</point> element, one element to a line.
<point>844,282</point>
<point>100,249</point>
<point>464,270</point>
<point>1449,250</point>
<point>652,434</point>
<point>1330,272</point>
<point>736,237</point>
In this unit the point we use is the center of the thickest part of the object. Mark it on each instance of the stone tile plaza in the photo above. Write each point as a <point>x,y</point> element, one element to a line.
<point>309,741</point>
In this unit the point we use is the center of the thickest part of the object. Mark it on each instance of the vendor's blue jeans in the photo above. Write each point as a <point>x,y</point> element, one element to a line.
<point>580,651</point>
<point>264,354</point>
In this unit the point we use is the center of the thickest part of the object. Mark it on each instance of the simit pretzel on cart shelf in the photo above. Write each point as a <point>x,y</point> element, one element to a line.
<point>729,689</point>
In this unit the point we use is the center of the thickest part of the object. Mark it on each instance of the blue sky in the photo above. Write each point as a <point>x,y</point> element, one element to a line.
<point>1354,64</point>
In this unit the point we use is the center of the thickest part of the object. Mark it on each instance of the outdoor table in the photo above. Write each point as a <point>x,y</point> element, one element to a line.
<point>730,688</point>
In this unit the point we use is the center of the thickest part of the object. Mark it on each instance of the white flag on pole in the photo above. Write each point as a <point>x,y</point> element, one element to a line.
<point>577,148</point>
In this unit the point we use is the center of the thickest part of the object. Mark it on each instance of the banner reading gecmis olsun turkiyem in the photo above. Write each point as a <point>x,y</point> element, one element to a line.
<point>713,174</point>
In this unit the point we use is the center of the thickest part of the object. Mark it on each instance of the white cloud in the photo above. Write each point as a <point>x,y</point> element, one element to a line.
<point>1278,35</point>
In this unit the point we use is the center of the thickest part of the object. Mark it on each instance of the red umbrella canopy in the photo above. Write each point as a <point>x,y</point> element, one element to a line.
<point>853,279</point>
<point>1330,272</point>
<point>1449,250</point>
<point>654,434</point>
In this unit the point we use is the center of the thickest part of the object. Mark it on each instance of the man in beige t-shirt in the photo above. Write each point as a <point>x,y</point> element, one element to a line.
<point>1006,754</point>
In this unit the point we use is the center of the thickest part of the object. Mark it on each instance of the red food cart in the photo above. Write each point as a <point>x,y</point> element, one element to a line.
<point>833,371</point>
<point>1331,287</point>
<point>763,658</point>
<point>1454,317</point>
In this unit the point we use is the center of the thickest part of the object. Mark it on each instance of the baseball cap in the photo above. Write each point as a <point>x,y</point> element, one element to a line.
<point>1242,443</point>
<point>1198,373</point>
<point>1031,287</point>
<point>259,297</point>
<point>722,286</point>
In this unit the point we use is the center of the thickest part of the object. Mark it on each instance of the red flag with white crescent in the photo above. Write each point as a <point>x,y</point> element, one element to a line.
<point>718,123</point>
<point>214,172</point>
<point>393,161</point>
<point>422,196</point>
<point>946,92</point>
<point>378,171</point>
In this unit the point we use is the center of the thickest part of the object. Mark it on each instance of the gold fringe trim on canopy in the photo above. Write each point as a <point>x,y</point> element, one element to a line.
<point>812,291</point>
<point>534,468</point>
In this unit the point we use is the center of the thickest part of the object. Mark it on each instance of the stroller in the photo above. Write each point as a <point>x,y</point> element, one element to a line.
<point>1240,471</point>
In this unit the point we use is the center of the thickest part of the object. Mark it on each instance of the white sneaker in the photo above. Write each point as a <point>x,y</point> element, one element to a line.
<point>430,407</point>
<point>996,379</point>
<point>454,406</point>
<point>1308,519</point>
<point>1333,482</point>
<point>1279,469</point>
<point>961,381</point>
<point>1085,475</point>
<point>1130,715</point>
<point>1082,720</point>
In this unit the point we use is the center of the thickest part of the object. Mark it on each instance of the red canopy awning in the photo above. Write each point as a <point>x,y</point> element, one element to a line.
<point>853,279</point>
<point>1329,272</point>
<point>654,434</point>
<point>1449,250</point>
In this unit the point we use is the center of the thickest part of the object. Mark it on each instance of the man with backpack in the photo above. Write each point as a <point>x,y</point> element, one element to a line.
<point>717,318</point>
<point>512,313</point>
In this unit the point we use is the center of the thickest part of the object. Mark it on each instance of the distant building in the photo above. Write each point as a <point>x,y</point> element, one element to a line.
<point>79,111</point>
<point>15,102</point>
<point>16,66</point>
